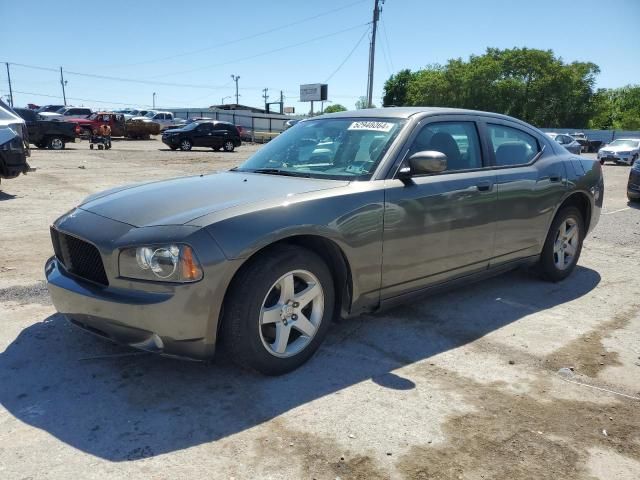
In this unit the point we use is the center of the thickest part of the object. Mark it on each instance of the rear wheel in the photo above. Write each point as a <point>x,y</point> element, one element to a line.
<point>56,143</point>
<point>186,145</point>
<point>563,245</point>
<point>228,146</point>
<point>278,310</point>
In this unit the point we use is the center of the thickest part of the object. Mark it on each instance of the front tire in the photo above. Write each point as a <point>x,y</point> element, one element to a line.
<point>278,310</point>
<point>186,145</point>
<point>563,245</point>
<point>56,143</point>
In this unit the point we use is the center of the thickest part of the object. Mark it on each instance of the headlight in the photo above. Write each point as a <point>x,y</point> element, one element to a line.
<point>166,263</point>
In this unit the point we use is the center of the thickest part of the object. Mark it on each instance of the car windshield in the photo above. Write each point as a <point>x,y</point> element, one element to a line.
<point>335,148</point>
<point>150,114</point>
<point>625,143</point>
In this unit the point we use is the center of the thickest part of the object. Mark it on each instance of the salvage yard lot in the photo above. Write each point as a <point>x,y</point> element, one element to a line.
<point>459,385</point>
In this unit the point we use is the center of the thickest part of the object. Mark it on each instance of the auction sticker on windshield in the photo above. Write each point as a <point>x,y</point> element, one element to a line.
<point>372,126</point>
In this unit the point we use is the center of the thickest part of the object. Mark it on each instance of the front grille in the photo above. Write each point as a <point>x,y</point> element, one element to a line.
<point>79,257</point>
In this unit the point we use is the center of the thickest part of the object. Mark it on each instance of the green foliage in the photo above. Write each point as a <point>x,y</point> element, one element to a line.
<point>361,103</point>
<point>617,109</point>
<point>533,85</point>
<point>336,107</point>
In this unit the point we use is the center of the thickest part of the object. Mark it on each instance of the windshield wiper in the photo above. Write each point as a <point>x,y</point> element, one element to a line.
<point>277,171</point>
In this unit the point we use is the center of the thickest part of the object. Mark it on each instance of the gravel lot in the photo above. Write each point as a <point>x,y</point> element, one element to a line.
<point>466,385</point>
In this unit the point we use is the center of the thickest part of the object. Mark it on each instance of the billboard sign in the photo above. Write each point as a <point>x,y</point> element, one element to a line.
<point>313,92</point>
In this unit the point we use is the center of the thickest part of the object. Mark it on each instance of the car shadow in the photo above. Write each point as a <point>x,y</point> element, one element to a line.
<point>76,388</point>
<point>6,196</point>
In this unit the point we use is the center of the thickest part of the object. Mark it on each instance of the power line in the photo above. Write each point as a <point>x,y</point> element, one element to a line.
<point>364,34</point>
<point>386,39</point>
<point>251,57</point>
<point>76,98</point>
<point>249,37</point>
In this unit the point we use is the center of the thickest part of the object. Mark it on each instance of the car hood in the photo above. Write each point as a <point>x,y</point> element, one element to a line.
<point>618,148</point>
<point>182,200</point>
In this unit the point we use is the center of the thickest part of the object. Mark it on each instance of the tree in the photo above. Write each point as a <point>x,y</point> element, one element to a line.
<point>361,104</point>
<point>336,107</point>
<point>395,89</point>
<point>533,85</point>
<point>617,109</point>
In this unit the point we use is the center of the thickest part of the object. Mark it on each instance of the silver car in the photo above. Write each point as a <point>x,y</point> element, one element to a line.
<point>342,214</point>
<point>621,150</point>
<point>567,141</point>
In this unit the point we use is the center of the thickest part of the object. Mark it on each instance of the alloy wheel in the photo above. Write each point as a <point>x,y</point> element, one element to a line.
<point>291,313</point>
<point>566,243</point>
<point>57,144</point>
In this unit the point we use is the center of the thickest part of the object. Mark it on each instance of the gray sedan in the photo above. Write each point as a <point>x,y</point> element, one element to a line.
<point>341,214</point>
<point>567,141</point>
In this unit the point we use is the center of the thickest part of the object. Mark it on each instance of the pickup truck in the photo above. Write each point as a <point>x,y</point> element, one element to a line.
<point>14,149</point>
<point>119,127</point>
<point>48,133</point>
<point>164,119</point>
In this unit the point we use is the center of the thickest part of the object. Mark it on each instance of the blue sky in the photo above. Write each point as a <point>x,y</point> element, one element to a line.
<point>199,44</point>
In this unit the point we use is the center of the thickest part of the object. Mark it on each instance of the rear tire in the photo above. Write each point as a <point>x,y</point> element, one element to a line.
<point>228,146</point>
<point>265,315</point>
<point>563,245</point>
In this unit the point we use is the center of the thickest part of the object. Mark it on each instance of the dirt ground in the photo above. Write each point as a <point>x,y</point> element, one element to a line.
<point>511,378</point>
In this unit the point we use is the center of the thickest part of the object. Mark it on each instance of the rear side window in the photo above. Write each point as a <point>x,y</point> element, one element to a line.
<point>512,146</point>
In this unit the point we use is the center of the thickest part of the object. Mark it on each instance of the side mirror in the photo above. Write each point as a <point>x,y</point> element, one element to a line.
<point>424,163</point>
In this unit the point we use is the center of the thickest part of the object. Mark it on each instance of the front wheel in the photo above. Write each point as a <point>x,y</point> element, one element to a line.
<point>56,143</point>
<point>228,146</point>
<point>278,310</point>
<point>563,245</point>
<point>185,145</point>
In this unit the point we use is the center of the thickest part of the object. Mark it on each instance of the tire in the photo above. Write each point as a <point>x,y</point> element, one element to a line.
<point>100,146</point>
<point>256,292</point>
<point>228,146</point>
<point>554,254</point>
<point>41,145</point>
<point>185,145</point>
<point>91,146</point>
<point>56,143</point>
<point>173,148</point>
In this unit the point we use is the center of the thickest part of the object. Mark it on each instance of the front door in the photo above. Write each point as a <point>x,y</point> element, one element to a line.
<point>440,226</point>
<point>203,135</point>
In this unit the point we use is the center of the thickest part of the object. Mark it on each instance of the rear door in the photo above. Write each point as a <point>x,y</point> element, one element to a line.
<point>530,181</point>
<point>440,226</point>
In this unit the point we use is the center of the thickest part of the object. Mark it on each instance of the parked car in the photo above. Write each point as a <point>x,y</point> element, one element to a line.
<point>66,113</point>
<point>567,141</point>
<point>119,127</point>
<point>633,185</point>
<point>212,134</point>
<point>621,150</point>
<point>46,133</point>
<point>286,244</point>
<point>164,119</point>
<point>50,108</point>
<point>14,148</point>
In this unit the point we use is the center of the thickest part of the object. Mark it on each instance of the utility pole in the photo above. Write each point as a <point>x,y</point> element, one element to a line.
<point>265,95</point>
<point>154,100</point>
<point>281,103</point>
<point>63,83</point>
<point>235,78</point>
<point>10,90</point>
<point>377,8</point>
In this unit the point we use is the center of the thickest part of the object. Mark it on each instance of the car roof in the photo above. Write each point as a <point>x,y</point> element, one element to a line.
<point>406,112</point>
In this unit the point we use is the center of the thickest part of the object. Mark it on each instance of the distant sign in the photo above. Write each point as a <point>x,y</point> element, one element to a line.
<point>289,109</point>
<point>314,92</point>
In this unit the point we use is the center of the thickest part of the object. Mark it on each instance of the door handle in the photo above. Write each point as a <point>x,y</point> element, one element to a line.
<point>555,177</point>
<point>484,186</point>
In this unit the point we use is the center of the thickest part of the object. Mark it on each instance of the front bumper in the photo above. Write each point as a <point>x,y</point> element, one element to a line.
<point>170,140</point>
<point>615,157</point>
<point>154,322</point>
<point>169,318</point>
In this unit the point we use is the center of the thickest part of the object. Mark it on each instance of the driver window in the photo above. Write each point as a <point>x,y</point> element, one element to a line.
<point>457,140</point>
